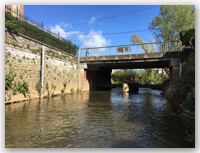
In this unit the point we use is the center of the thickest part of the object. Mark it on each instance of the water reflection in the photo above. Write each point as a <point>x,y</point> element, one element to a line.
<point>94,119</point>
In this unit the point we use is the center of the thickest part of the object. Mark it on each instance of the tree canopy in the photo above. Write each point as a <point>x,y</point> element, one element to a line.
<point>171,20</point>
<point>146,47</point>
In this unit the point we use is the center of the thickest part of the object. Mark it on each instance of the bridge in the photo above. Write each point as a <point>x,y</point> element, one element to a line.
<point>97,63</point>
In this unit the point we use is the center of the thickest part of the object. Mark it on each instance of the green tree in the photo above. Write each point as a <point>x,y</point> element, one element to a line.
<point>147,76</point>
<point>146,47</point>
<point>171,20</point>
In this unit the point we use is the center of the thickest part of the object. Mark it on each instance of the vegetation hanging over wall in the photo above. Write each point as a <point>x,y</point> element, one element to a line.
<point>23,27</point>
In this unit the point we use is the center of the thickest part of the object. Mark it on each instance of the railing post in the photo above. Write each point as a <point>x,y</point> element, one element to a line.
<point>168,47</point>
<point>164,46</point>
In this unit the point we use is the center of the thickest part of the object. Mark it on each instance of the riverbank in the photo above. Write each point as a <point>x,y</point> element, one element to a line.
<point>52,96</point>
<point>182,95</point>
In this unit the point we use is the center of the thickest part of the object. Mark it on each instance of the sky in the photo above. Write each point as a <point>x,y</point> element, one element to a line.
<point>84,20</point>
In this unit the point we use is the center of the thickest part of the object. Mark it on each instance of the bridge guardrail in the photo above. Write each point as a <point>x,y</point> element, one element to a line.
<point>155,47</point>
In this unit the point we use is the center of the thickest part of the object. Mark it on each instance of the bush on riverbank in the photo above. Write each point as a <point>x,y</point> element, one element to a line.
<point>182,91</point>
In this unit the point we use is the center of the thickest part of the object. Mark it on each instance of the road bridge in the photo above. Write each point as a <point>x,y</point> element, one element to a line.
<point>98,62</point>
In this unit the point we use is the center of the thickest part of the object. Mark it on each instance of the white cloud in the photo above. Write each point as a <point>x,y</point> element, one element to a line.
<point>92,20</point>
<point>57,29</point>
<point>62,32</point>
<point>87,41</point>
<point>66,25</point>
<point>93,40</point>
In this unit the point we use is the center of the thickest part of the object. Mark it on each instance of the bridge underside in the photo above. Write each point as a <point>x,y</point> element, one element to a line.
<point>103,65</point>
<point>139,64</point>
<point>132,61</point>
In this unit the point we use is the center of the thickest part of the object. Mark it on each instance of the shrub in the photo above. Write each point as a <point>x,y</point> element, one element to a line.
<point>65,84</point>
<point>38,86</point>
<point>62,90</point>
<point>36,50</point>
<point>8,80</point>
<point>53,86</point>
<point>27,46</point>
<point>79,89</point>
<point>16,45</point>
<point>6,62</point>
<point>23,87</point>
<point>47,86</point>
<point>49,92</point>
<point>72,89</point>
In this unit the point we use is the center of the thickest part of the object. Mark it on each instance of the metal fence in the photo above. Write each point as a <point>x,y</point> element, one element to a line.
<point>155,47</point>
<point>18,15</point>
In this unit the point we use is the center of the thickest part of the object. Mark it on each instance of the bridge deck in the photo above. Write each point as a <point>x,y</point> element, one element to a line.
<point>150,60</point>
<point>134,57</point>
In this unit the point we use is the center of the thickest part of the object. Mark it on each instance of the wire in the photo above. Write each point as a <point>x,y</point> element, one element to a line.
<point>109,33</point>
<point>112,16</point>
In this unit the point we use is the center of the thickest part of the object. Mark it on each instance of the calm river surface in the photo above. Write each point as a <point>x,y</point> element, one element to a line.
<point>94,119</point>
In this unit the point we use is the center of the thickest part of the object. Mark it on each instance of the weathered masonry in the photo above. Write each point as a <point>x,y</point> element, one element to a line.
<point>23,64</point>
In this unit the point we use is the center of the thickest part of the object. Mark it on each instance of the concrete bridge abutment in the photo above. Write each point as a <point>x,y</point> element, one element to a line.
<point>175,69</point>
<point>89,77</point>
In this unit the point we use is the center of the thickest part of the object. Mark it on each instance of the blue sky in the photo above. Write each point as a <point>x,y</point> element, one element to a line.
<point>64,19</point>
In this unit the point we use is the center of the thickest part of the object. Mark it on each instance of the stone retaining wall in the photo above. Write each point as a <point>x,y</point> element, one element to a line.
<point>59,67</point>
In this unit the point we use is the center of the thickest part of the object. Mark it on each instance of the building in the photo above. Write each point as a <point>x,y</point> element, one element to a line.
<point>15,10</point>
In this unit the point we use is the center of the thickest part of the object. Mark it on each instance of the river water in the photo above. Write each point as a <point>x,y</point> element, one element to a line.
<point>96,119</point>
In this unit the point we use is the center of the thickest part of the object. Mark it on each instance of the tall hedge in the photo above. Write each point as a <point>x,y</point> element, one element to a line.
<point>26,28</point>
